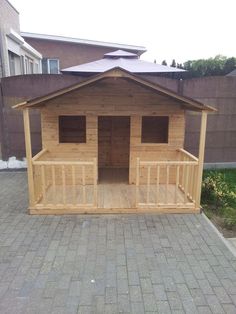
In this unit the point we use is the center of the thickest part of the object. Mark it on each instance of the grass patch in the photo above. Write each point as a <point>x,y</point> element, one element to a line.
<point>219,196</point>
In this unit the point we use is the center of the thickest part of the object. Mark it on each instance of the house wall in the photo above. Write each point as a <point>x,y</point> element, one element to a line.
<point>9,19</point>
<point>111,97</point>
<point>10,40</point>
<point>69,54</point>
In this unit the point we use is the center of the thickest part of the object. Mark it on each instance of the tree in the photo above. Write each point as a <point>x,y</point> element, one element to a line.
<point>173,64</point>
<point>220,65</point>
<point>164,62</point>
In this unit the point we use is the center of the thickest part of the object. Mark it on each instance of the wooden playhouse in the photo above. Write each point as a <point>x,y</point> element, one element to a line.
<point>113,143</point>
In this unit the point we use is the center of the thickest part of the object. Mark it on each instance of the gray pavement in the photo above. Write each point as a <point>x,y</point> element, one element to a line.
<point>109,264</point>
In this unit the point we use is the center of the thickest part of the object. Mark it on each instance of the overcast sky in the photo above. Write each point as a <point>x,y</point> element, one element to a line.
<point>169,29</point>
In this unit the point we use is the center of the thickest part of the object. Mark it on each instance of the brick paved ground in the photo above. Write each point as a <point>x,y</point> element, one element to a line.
<point>109,264</point>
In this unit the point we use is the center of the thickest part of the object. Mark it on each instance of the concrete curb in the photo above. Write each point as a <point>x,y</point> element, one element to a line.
<point>223,239</point>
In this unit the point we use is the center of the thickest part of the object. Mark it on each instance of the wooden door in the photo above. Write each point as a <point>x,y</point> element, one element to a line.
<point>113,142</point>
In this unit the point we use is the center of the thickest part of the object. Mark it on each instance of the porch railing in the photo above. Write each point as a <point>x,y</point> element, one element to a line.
<point>167,183</point>
<point>60,183</point>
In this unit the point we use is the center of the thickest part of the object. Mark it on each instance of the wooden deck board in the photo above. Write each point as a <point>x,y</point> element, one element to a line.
<point>114,195</point>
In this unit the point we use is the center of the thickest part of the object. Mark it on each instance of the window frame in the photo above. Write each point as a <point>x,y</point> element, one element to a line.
<point>155,143</point>
<point>12,65</point>
<point>72,143</point>
<point>48,65</point>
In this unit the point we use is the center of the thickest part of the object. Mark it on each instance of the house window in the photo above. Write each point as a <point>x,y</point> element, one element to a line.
<point>22,64</point>
<point>72,129</point>
<point>14,63</point>
<point>50,66</point>
<point>155,129</point>
<point>12,68</point>
<point>29,66</point>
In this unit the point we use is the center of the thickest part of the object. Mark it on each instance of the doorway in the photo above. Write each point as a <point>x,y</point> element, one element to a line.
<point>113,149</point>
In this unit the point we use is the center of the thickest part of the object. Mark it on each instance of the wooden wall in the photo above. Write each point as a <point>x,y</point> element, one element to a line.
<point>113,97</point>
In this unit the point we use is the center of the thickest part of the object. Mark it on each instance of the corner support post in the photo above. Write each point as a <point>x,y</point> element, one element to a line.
<point>201,157</point>
<point>29,156</point>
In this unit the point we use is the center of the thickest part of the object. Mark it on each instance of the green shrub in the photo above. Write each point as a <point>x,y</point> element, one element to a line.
<point>216,191</point>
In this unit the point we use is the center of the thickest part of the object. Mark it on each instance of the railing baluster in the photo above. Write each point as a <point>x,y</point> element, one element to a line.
<point>43,184</point>
<point>195,168</point>
<point>191,181</point>
<point>167,182</point>
<point>137,181</point>
<point>95,190</point>
<point>157,183</point>
<point>177,185</point>
<point>73,183</point>
<point>53,185</point>
<point>83,183</point>
<point>186,184</point>
<point>148,183</point>
<point>63,184</point>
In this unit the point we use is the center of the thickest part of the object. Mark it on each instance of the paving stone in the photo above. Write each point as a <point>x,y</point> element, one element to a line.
<point>122,286</point>
<point>222,295</point>
<point>133,278</point>
<point>174,300</point>
<point>159,292</point>
<point>163,307</point>
<point>229,308</point>
<point>135,294</point>
<point>137,308</point>
<point>146,285</point>
<point>204,310</point>
<point>123,303</point>
<point>214,304</point>
<point>111,295</point>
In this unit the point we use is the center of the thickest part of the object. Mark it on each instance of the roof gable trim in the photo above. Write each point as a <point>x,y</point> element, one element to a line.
<point>118,72</point>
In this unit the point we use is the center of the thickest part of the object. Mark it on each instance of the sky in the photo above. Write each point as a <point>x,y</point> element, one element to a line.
<point>169,29</point>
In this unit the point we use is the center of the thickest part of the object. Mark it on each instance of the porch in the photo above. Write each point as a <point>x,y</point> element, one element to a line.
<point>72,186</point>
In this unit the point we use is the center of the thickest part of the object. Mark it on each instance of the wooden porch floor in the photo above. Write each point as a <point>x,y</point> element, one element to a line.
<point>112,195</point>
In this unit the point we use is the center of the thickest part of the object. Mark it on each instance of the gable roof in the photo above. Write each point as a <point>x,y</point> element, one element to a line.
<point>124,60</point>
<point>232,73</point>
<point>189,103</point>
<point>138,49</point>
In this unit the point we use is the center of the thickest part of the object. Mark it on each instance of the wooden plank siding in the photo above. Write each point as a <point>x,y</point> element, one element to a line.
<point>113,97</point>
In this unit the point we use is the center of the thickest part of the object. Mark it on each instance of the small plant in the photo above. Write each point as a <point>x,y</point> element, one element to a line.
<point>230,217</point>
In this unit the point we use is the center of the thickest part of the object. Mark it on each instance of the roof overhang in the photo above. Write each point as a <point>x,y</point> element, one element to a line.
<point>188,103</point>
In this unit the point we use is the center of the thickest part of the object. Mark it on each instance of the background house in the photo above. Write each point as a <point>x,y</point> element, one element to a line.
<point>62,52</point>
<point>16,55</point>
